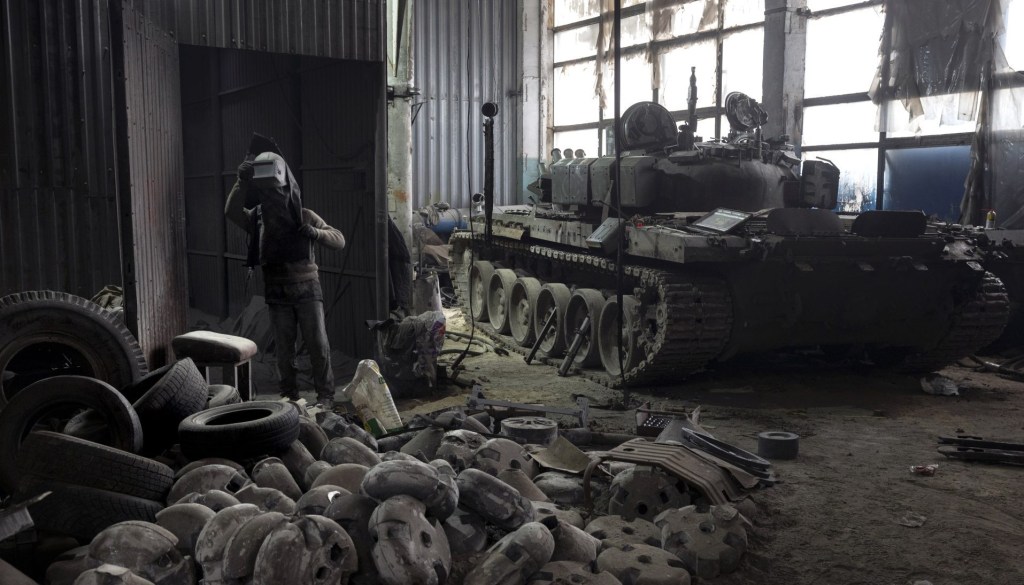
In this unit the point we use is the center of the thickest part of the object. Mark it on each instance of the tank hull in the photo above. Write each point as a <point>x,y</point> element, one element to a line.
<point>916,303</point>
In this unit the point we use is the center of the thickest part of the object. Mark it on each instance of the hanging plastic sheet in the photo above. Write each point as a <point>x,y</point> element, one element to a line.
<point>945,66</point>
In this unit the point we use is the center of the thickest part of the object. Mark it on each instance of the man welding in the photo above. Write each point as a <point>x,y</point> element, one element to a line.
<point>266,202</point>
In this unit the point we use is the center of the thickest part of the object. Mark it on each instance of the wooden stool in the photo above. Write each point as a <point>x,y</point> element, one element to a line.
<point>215,350</point>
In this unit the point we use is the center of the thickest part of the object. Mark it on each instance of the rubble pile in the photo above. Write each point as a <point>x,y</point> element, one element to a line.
<point>171,491</point>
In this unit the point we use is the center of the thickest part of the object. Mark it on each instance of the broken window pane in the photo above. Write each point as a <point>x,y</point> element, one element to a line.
<point>826,4</point>
<point>675,66</point>
<point>634,31</point>
<point>569,11</point>
<point>1012,39</point>
<point>635,84</point>
<point>858,176</point>
<point>740,12</point>
<point>575,43</point>
<point>743,62</point>
<point>940,117</point>
<point>839,124</point>
<point>928,179</point>
<point>706,129</point>
<point>576,139</point>
<point>574,94</point>
<point>683,18</point>
<point>842,52</point>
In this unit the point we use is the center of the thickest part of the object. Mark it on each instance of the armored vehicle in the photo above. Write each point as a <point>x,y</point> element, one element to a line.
<point>719,248</point>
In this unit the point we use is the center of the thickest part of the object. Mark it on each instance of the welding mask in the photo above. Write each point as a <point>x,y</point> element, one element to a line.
<point>270,171</point>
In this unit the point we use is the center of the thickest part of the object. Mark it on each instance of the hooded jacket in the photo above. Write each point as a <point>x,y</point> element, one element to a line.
<point>276,243</point>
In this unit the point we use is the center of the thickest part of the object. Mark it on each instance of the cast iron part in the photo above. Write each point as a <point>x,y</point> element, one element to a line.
<point>709,479</point>
<point>969,448</point>
<point>476,400</point>
<point>778,445</point>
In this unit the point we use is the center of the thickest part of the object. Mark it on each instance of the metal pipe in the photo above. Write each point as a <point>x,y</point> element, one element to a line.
<point>577,341</point>
<point>549,324</point>
<point>489,110</point>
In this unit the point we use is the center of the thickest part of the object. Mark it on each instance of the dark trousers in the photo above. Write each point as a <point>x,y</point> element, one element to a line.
<point>308,317</point>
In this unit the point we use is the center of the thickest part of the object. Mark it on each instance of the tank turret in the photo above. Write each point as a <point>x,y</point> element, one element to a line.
<point>717,248</point>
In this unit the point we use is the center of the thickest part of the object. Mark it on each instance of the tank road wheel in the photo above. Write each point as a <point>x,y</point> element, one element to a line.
<point>497,299</point>
<point>479,277</point>
<point>608,337</point>
<point>553,296</point>
<point>521,301</point>
<point>585,302</point>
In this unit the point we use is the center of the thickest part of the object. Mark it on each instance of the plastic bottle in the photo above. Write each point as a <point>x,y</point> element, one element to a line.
<point>369,394</point>
<point>990,219</point>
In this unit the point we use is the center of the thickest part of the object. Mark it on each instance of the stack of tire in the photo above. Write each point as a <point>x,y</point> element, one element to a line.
<point>101,452</point>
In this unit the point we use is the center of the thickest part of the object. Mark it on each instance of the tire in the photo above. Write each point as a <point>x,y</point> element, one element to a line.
<point>778,445</point>
<point>584,303</point>
<point>221,394</point>
<point>84,512</point>
<point>239,431</point>
<point>608,335</point>
<point>180,392</point>
<point>498,290</point>
<point>137,389</point>
<point>521,303</point>
<point>553,296</point>
<point>89,425</point>
<point>102,347</point>
<point>53,397</point>
<point>476,295</point>
<point>47,456</point>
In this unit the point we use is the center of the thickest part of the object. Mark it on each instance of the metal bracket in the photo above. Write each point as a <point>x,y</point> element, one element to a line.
<point>582,412</point>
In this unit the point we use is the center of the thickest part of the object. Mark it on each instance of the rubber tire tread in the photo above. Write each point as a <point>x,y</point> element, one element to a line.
<point>83,512</point>
<point>241,440</point>
<point>51,456</point>
<point>27,406</point>
<point>63,315</point>
<point>180,392</point>
<point>221,394</point>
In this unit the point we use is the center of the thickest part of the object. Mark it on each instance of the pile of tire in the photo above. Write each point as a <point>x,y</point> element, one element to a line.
<point>100,452</point>
<point>262,493</point>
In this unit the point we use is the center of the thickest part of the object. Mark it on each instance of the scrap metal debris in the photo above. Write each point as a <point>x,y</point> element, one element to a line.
<point>970,448</point>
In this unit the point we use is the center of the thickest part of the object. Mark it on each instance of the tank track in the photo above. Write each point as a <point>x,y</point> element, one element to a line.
<point>686,318</point>
<point>978,324</point>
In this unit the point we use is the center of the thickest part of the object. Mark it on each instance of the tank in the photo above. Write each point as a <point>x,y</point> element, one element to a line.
<point>715,249</point>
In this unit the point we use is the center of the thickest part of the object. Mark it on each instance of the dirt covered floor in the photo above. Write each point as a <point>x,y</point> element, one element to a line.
<point>835,518</point>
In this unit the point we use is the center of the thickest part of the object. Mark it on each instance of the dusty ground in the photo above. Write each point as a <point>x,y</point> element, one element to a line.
<point>833,520</point>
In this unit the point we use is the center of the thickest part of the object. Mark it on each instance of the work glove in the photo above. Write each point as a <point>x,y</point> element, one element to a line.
<point>245,170</point>
<point>309,231</point>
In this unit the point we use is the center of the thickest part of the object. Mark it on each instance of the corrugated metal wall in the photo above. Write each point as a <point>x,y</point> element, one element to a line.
<point>342,29</point>
<point>58,196</point>
<point>60,162</point>
<point>466,53</point>
<point>149,124</point>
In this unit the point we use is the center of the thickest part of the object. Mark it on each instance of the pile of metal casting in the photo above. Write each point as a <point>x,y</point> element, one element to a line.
<point>270,493</point>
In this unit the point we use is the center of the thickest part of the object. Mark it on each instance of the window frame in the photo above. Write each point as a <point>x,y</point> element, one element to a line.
<point>657,47</point>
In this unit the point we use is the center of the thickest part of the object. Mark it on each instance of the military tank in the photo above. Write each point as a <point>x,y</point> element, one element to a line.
<point>719,248</point>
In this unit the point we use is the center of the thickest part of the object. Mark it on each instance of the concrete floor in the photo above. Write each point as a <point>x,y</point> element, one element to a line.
<point>834,519</point>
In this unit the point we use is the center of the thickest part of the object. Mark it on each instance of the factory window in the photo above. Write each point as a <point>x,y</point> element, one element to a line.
<point>884,145</point>
<point>660,43</point>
